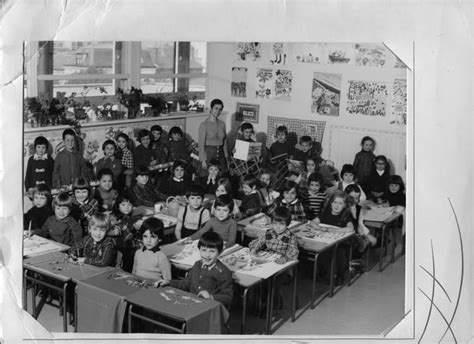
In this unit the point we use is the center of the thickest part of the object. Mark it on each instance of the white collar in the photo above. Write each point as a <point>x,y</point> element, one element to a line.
<point>292,202</point>
<point>380,172</point>
<point>37,157</point>
<point>178,180</point>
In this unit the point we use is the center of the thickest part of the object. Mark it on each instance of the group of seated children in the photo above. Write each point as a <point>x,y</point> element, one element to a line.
<point>99,224</point>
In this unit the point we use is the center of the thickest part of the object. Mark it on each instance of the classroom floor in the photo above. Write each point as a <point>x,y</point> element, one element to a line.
<point>371,306</point>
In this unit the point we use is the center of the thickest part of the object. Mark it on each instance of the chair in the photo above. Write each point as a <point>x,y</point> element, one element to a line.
<point>241,168</point>
<point>280,169</point>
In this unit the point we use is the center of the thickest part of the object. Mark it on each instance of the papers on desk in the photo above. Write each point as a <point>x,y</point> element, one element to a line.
<point>38,245</point>
<point>167,219</point>
<point>316,239</point>
<point>188,256</point>
<point>378,214</point>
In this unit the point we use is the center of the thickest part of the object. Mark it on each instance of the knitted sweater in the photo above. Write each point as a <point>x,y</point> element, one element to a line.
<point>227,229</point>
<point>151,264</point>
<point>39,172</point>
<point>67,166</point>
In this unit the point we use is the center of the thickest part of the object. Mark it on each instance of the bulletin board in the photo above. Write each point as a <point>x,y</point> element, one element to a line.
<point>296,129</point>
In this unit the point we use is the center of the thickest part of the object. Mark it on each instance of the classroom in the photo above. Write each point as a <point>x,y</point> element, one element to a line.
<point>246,188</point>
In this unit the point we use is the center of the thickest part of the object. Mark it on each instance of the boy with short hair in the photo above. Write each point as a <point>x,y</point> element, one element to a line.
<point>68,163</point>
<point>251,202</point>
<point>306,144</point>
<point>39,169</point>
<point>144,193</point>
<point>193,216</point>
<point>62,227</point>
<point>41,209</point>
<point>281,145</point>
<point>209,278</point>
<point>177,146</point>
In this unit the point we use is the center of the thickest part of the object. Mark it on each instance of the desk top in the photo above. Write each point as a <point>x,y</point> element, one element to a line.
<point>56,265</point>
<point>37,245</point>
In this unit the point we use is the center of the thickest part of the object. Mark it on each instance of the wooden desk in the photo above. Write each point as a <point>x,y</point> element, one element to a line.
<point>37,245</point>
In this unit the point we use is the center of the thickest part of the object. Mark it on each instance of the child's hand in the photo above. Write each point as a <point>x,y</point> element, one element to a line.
<point>161,283</point>
<point>281,260</point>
<point>138,224</point>
<point>205,295</point>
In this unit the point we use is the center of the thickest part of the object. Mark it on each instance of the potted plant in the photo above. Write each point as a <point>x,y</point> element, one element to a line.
<point>157,103</point>
<point>131,100</point>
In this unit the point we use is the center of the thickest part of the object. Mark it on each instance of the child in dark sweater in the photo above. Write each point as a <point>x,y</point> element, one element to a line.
<point>41,209</point>
<point>105,192</point>
<point>143,193</point>
<point>39,169</point>
<point>251,202</point>
<point>178,183</point>
<point>69,163</point>
<point>281,145</point>
<point>209,183</point>
<point>83,205</point>
<point>378,181</point>
<point>177,146</point>
<point>143,154</point>
<point>364,160</point>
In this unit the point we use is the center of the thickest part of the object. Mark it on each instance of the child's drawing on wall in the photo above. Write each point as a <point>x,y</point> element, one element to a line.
<point>326,94</point>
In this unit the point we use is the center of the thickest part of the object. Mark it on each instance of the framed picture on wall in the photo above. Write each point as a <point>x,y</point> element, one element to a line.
<point>247,112</point>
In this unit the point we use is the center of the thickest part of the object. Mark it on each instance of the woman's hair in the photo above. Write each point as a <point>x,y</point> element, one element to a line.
<point>124,136</point>
<point>347,168</point>
<point>156,127</point>
<point>142,170</point>
<point>154,225</point>
<point>143,133</point>
<point>194,190</point>
<point>224,201</point>
<point>175,130</point>
<point>396,179</point>
<point>227,185</point>
<point>211,240</point>
<point>68,131</point>
<point>281,214</point>
<point>123,197</point>
<point>44,190</point>
<point>62,200</point>
<point>100,220</point>
<point>80,183</point>
<point>217,102</point>
<point>366,138</point>
<point>41,140</point>
<point>104,172</point>
<point>109,142</point>
<point>250,180</point>
<point>288,185</point>
<point>178,163</point>
<point>282,129</point>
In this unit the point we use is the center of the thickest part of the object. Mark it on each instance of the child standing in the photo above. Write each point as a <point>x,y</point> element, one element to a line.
<point>192,217</point>
<point>281,145</point>
<point>41,209</point>
<point>68,164</point>
<point>251,203</point>
<point>61,227</point>
<point>83,206</point>
<point>377,183</point>
<point>99,249</point>
<point>225,188</point>
<point>109,161</point>
<point>143,193</point>
<point>160,155</point>
<point>178,184</point>
<point>289,193</point>
<point>149,261</point>
<point>314,198</point>
<point>177,146</point>
<point>39,169</point>
<point>143,154</point>
<point>278,239</point>
<point>105,194</point>
<point>364,160</point>
<point>209,182</point>
<point>209,278</point>
<point>124,154</point>
<point>396,191</point>
<point>222,223</point>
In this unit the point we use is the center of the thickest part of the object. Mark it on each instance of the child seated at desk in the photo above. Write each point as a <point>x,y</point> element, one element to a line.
<point>266,190</point>
<point>210,182</point>
<point>209,278</point>
<point>222,223</point>
<point>149,261</point>
<point>335,214</point>
<point>143,193</point>
<point>177,146</point>
<point>143,153</point>
<point>348,178</point>
<point>178,183</point>
<point>83,206</point>
<point>314,197</point>
<point>377,182</point>
<point>193,216</point>
<point>225,188</point>
<point>105,193</point>
<point>396,191</point>
<point>289,193</point>
<point>61,227</point>
<point>41,210</point>
<point>99,249</point>
<point>251,202</point>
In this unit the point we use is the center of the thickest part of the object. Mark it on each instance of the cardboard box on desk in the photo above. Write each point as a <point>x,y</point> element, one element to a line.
<point>247,150</point>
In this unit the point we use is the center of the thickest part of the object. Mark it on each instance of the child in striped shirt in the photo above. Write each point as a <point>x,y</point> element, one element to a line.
<point>315,196</point>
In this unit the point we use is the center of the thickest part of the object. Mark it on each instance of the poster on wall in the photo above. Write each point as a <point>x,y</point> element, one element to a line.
<point>370,55</point>
<point>296,129</point>
<point>264,83</point>
<point>326,93</point>
<point>399,103</point>
<point>278,53</point>
<point>340,53</point>
<point>238,85</point>
<point>248,51</point>
<point>283,81</point>
<point>308,52</point>
<point>367,98</point>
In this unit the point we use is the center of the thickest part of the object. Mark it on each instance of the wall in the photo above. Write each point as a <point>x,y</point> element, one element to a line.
<point>342,133</point>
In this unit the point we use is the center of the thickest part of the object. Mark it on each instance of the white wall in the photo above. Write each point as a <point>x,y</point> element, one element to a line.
<point>337,144</point>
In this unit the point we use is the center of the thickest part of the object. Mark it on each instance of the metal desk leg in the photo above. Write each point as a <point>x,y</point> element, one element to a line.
<point>64,306</point>
<point>333,270</point>
<point>382,249</point>
<point>34,301</point>
<point>130,319</point>
<point>75,309</point>
<point>393,231</point>
<point>244,310</point>
<point>295,276</point>
<point>271,286</point>
<point>349,283</point>
<point>25,291</point>
<point>315,271</point>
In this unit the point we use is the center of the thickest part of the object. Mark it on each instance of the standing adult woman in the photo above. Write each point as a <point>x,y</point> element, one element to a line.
<point>212,137</point>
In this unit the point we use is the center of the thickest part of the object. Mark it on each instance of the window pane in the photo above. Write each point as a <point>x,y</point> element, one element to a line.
<point>156,85</point>
<point>92,88</point>
<point>198,57</point>
<point>157,57</point>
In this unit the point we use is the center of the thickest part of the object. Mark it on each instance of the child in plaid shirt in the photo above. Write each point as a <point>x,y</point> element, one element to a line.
<point>99,249</point>
<point>289,199</point>
<point>83,206</point>
<point>278,239</point>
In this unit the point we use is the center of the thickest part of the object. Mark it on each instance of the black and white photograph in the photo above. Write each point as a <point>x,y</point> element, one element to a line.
<point>127,215</point>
